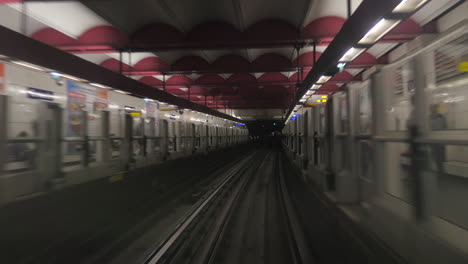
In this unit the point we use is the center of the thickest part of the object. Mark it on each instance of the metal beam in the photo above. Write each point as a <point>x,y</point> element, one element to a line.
<point>23,48</point>
<point>365,16</point>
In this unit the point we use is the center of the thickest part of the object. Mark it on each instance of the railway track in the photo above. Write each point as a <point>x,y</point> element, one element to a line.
<point>248,218</point>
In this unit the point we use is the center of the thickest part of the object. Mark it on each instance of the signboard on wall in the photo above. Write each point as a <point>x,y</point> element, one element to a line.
<point>39,94</point>
<point>2,79</point>
<point>151,109</point>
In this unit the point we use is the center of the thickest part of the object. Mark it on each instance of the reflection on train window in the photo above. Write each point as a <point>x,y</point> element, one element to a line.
<point>21,156</point>
<point>322,119</point>
<point>343,109</point>
<point>366,159</point>
<point>365,109</point>
<point>400,88</point>
<point>396,171</point>
<point>448,104</point>
<point>446,168</point>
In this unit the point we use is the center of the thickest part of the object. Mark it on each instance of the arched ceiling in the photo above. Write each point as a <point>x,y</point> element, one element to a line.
<point>222,53</point>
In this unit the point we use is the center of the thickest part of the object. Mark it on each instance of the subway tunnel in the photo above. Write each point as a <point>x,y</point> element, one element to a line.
<point>248,131</point>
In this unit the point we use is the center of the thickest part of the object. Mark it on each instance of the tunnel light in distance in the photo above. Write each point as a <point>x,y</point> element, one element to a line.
<point>351,54</point>
<point>379,30</point>
<point>408,6</point>
<point>323,79</point>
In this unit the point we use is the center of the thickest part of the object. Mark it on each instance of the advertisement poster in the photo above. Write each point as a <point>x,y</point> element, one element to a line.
<point>83,97</point>
<point>2,79</point>
<point>151,109</point>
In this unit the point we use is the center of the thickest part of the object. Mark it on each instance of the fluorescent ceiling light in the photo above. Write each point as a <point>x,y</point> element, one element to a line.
<point>379,30</point>
<point>315,87</point>
<point>122,92</point>
<point>71,77</point>
<point>29,65</point>
<point>351,54</point>
<point>324,79</point>
<point>99,85</point>
<point>302,100</point>
<point>309,93</point>
<point>408,6</point>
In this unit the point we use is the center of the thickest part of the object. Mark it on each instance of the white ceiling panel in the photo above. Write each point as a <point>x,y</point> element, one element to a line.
<point>286,52</point>
<point>380,49</point>
<point>11,18</point>
<point>331,8</point>
<point>70,17</point>
<point>96,58</point>
<point>291,11</point>
<point>431,10</point>
<point>192,13</point>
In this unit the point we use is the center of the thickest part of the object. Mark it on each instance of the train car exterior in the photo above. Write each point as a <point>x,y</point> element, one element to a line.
<point>59,131</point>
<point>391,150</point>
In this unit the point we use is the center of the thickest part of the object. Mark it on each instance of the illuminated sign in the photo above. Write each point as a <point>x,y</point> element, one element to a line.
<point>463,66</point>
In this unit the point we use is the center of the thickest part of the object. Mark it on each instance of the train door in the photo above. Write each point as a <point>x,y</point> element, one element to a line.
<point>31,146</point>
<point>320,147</point>
<point>363,163</point>
<point>150,136</point>
<point>181,136</point>
<point>138,137</point>
<point>171,137</point>
<point>305,138</point>
<point>343,147</point>
<point>206,138</point>
<point>164,138</point>
<point>195,138</point>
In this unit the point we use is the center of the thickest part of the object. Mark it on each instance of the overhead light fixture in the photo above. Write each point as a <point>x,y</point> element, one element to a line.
<point>122,92</point>
<point>323,79</point>
<point>408,6</point>
<point>315,87</point>
<point>351,54</point>
<point>302,100</point>
<point>99,85</point>
<point>379,30</point>
<point>309,93</point>
<point>28,65</point>
<point>66,76</point>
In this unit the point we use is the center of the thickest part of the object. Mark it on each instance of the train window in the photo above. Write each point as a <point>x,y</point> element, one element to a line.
<point>365,109</point>
<point>448,101</point>
<point>322,119</point>
<point>343,110</point>
<point>398,93</point>
<point>23,116</point>
<point>366,159</point>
